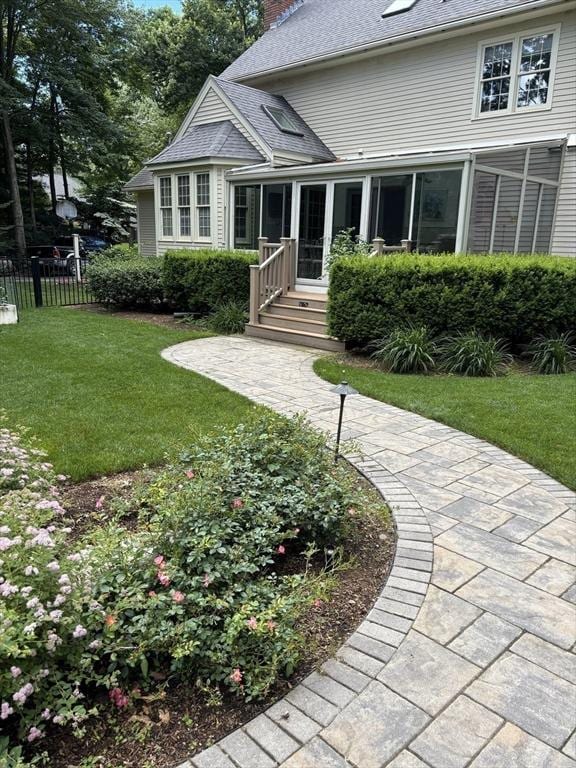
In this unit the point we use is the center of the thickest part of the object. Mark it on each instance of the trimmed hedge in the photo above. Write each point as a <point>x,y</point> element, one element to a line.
<point>131,283</point>
<point>513,297</point>
<point>201,280</point>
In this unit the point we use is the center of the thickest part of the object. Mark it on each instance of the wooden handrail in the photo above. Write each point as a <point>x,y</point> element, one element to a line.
<point>271,277</point>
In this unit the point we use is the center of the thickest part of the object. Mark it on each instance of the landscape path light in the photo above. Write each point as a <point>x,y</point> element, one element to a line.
<point>343,389</point>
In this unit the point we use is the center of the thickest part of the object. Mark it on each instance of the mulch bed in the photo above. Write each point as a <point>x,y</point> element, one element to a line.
<point>165,728</point>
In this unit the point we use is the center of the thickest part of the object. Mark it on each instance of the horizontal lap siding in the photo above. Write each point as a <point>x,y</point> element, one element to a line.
<point>564,240</point>
<point>213,110</point>
<point>146,223</point>
<point>422,97</point>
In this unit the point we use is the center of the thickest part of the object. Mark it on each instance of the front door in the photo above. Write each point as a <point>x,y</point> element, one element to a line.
<point>311,232</point>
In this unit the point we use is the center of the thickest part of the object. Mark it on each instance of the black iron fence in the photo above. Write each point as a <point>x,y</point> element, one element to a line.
<point>45,282</point>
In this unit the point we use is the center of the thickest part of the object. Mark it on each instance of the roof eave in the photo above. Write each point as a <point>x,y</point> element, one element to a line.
<point>529,8</point>
<point>206,160</point>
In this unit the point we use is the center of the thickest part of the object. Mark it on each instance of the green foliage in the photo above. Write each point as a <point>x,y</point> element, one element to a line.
<point>347,244</point>
<point>201,280</point>
<point>406,350</point>
<point>128,283</point>
<point>551,355</point>
<point>512,297</point>
<point>120,252</point>
<point>470,354</point>
<point>229,317</point>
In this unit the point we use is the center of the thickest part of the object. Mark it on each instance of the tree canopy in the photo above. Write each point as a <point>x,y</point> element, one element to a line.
<point>91,88</point>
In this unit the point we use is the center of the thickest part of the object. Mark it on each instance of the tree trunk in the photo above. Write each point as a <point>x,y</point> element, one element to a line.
<point>18,217</point>
<point>30,184</point>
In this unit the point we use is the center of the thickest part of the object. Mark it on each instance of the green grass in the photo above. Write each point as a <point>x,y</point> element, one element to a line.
<point>530,416</point>
<point>95,391</point>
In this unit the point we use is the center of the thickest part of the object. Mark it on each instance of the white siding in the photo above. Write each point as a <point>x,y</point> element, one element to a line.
<point>564,240</point>
<point>146,223</point>
<point>424,96</point>
<point>213,110</point>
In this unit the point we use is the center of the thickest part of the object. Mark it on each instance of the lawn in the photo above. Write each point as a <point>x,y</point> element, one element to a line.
<point>533,417</point>
<point>95,391</point>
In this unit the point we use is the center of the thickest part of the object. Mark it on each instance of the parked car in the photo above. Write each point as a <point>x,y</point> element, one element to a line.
<point>57,259</point>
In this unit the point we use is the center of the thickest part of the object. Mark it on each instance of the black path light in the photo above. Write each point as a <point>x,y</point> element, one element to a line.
<point>343,389</point>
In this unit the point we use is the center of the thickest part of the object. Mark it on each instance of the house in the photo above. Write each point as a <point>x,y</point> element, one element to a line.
<point>429,125</point>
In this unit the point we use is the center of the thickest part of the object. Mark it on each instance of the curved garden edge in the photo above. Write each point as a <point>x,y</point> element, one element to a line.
<point>522,590</point>
<point>291,722</point>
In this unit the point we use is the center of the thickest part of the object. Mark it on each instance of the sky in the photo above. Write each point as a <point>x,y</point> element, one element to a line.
<point>176,5</point>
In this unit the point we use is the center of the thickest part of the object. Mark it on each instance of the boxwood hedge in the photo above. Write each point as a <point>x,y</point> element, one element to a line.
<point>512,297</point>
<point>131,283</point>
<point>200,280</point>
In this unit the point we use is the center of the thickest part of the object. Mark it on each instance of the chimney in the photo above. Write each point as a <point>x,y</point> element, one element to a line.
<point>275,8</point>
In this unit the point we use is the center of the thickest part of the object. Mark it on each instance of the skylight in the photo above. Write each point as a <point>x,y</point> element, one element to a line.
<point>282,120</point>
<point>398,6</point>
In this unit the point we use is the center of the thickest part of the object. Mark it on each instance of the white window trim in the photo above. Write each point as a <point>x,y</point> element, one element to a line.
<point>194,236</point>
<point>160,208</point>
<point>515,39</point>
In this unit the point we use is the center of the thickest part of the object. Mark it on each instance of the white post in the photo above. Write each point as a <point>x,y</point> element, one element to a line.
<point>77,265</point>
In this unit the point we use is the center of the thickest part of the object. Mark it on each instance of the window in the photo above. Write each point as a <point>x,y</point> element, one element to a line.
<point>246,216</point>
<point>517,73</point>
<point>282,120</point>
<point>184,206</point>
<point>276,211</point>
<point>166,206</point>
<point>398,6</point>
<point>203,204</point>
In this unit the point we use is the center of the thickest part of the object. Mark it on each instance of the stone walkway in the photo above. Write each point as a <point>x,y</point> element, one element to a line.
<point>467,658</point>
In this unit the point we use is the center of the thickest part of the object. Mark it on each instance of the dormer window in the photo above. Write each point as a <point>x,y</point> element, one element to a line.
<point>516,74</point>
<point>282,120</point>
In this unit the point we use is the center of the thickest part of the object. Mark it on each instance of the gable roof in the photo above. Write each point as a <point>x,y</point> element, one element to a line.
<point>250,103</point>
<point>142,180</point>
<point>323,28</point>
<point>221,139</point>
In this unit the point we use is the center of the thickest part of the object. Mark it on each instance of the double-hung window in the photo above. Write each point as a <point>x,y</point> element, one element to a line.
<point>203,204</point>
<point>166,206</point>
<point>517,73</point>
<point>185,223</point>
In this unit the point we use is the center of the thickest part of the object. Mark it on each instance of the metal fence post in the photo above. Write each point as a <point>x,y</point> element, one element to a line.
<point>36,281</point>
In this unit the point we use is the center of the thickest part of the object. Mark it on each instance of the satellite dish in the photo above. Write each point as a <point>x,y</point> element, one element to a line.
<point>65,209</point>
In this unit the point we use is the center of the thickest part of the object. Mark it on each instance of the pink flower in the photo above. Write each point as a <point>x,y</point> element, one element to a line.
<point>46,714</point>
<point>178,597</point>
<point>271,625</point>
<point>118,697</point>
<point>15,672</point>
<point>163,578</point>
<point>5,711</point>
<point>190,474</point>
<point>237,503</point>
<point>152,593</point>
<point>236,676</point>
<point>207,580</point>
<point>317,603</point>
<point>100,502</point>
<point>34,733</point>
<point>79,631</point>
<point>159,561</point>
<point>281,549</point>
<point>252,623</point>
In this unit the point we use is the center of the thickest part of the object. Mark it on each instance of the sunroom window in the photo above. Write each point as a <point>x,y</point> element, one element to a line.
<point>166,206</point>
<point>247,216</point>
<point>517,73</point>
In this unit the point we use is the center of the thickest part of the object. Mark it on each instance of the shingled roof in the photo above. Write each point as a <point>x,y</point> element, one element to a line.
<point>250,102</point>
<point>322,28</point>
<point>221,139</point>
<point>142,180</point>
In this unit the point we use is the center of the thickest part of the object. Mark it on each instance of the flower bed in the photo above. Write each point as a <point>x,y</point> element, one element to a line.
<point>196,590</point>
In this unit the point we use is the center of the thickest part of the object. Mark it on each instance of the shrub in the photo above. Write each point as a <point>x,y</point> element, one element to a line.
<point>553,355</point>
<point>120,252</point>
<point>201,280</point>
<point>511,297</point>
<point>347,244</point>
<point>469,354</point>
<point>229,317</point>
<point>406,350</point>
<point>134,283</point>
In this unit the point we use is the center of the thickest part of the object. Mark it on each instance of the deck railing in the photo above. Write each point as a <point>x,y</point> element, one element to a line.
<point>380,247</point>
<point>272,276</point>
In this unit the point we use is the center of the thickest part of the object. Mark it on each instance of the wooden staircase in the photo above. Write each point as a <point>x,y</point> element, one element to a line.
<point>279,313</point>
<point>296,318</point>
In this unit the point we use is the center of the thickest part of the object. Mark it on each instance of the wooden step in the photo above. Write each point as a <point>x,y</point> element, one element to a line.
<point>295,323</point>
<point>305,300</point>
<point>279,307</point>
<point>289,336</point>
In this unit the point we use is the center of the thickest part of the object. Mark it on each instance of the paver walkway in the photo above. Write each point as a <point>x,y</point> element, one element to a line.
<point>467,658</point>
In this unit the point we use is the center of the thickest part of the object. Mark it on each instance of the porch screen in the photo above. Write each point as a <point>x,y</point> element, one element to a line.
<point>514,200</point>
<point>247,216</point>
<point>276,211</point>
